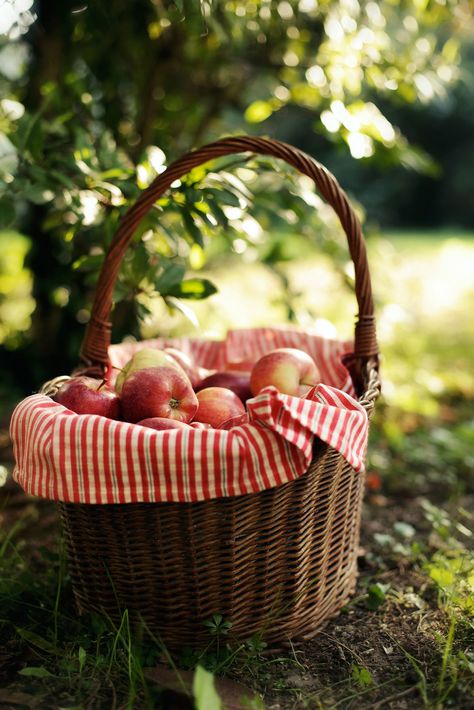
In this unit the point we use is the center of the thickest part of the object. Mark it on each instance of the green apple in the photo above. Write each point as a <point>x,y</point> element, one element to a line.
<point>144,359</point>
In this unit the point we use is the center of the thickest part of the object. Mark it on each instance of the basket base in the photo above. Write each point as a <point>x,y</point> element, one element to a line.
<point>276,564</point>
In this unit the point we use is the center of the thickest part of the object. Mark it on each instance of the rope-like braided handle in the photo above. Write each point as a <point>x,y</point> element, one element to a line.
<point>97,337</point>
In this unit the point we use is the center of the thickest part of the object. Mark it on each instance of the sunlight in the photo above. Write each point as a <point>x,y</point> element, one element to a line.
<point>330,122</point>
<point>316,76</point>
<point>360,145</point>
<point>90,206</point>
<point>15,17</point>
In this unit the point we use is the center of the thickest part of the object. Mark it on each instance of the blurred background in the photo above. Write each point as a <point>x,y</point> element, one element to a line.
<point>98,97</point>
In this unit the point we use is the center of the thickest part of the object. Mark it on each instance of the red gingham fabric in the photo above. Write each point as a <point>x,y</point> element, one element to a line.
<point>91,459</point>
<point>248,345</point>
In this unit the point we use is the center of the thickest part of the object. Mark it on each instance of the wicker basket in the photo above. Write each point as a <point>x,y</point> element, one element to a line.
<point>280,562</point>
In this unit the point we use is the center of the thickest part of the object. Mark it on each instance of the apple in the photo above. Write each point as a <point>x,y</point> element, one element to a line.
<point>290,370</point>
<point>238,382</point>
<point>185,362</point>
<point>161,423</point>
<point>217,405</point>
<point>86,395</point>
<point>147,357</point>
<point>158,392</point>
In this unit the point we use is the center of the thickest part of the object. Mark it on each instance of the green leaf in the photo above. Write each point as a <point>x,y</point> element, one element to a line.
<point>196,289</point>
<point>361,676</point>
<point>35,672</point>
<point>258,111</point>
<point>61,178</point>
<point>8,156</point>
<point>225,197</point>
<point>7,212</point>
<point>417,159</point>
<point>37,194</point>
<point>204,691</point>
<point>175,303</point>
<point>192,195</point>
<point>204,216</point>
<point>469,580</point>
<point>404,529</point>
<point>376,595</point>
<point>218,213</point>
<point>90,262</point>
<point>192,228</point>
<point>197,257</point>
<point>35,139</point>
<point>140,263</point>
<point>82,655</point>
<point>38,641</point>
<point>443,577</point>
<point>195,175</point>
<point>169,278</point>
<point>121,291</point>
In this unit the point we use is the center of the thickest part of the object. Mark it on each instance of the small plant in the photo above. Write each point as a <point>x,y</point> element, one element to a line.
<point>376,595</point>
<point>361,676</point>
<point>218,626</point>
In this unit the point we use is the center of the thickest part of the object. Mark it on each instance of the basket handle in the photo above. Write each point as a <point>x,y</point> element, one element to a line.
<point>97,338</point>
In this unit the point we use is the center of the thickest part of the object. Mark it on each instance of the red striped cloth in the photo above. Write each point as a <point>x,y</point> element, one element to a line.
<point>91,459</point>
<point>248,345</point>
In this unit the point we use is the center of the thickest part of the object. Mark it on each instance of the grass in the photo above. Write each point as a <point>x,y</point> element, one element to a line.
<point>406,636</point>
<point>56,657</point>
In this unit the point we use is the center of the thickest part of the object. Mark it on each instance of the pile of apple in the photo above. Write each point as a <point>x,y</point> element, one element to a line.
<point>162,389</point>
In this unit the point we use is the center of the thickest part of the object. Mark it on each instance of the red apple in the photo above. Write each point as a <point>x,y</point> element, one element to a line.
<point>144,358</point>
<point>290,370</point>
<point>238,382</point>
<point>85,395</point>
<point>185,362</point>
<point>217,405</point>
<point>161,423</point>
<point>158,392</point>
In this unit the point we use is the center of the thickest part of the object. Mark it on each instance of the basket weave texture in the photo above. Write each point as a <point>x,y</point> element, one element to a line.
<point>280,562</point>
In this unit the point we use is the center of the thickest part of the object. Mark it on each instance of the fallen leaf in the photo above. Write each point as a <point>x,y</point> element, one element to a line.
<point>234,696</point>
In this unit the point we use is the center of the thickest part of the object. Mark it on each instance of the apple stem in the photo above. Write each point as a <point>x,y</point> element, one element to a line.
<point>104,381</point>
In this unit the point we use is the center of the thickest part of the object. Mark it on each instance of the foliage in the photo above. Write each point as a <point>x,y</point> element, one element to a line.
<point>16,303</point>
<point>90,116</point>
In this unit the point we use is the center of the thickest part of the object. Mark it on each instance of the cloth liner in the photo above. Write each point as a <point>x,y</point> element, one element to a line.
<point>87,458</point>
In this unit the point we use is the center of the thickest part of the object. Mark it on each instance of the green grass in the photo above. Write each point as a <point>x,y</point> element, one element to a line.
<point>73,660</point>
<point>425,240</point>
